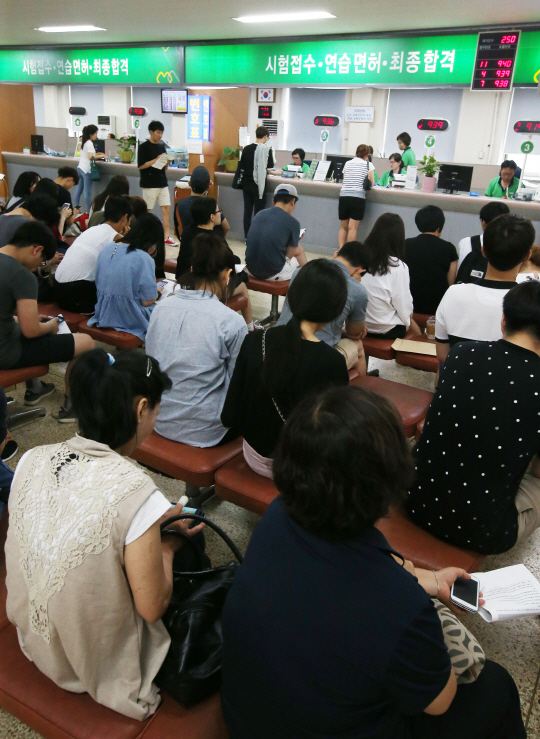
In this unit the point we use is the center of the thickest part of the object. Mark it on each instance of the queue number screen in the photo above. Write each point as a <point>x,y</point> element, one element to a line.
<point>527,127</point>
<point>432,124</point>
<point>495,61</point>
<point>327,121</point>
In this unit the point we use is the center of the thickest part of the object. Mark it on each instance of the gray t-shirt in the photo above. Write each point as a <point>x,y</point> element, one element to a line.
<point>271,232</point>
<point>8,225</point>
<point>16,283</point>
<point>354,311</point>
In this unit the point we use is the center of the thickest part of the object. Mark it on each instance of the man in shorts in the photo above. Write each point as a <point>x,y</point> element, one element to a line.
<point>154,180</point>
<point>272,251</point>
<point>28,339</point>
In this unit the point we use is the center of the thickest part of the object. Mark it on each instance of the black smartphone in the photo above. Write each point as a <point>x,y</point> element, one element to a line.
<point>465,593</point>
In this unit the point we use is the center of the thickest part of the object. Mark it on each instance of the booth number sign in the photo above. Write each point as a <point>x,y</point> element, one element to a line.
<point>430,141</point>
<point>527,147</point>
<point>324,135</point>
<point>77,121</point>
<point>136,123</point>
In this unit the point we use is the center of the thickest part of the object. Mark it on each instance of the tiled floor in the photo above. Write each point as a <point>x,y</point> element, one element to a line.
<point>515,644</point>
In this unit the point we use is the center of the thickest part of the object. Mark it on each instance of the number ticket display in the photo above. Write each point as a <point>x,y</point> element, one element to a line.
<point>433,124</point>
<point>495,61</point>
<point>527,127</point>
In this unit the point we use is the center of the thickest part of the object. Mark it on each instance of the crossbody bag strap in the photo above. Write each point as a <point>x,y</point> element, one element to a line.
<point>200,519</point>
<point>264,357</point>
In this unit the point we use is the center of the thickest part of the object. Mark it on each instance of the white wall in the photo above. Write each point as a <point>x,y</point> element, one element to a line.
<point>482,127</point>
<point>304,105</point>
<point>371,134</point>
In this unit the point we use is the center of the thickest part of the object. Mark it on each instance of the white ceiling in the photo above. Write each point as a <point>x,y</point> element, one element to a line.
<point>147,21</point>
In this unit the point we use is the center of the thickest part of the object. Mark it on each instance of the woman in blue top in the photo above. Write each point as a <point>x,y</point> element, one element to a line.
<point>126,279</point>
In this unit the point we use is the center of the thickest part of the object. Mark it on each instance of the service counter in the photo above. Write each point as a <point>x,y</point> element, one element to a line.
<point>47,166</point>
<point>317,210</point>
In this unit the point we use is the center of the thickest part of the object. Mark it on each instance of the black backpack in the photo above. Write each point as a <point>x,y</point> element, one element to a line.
<point>474,266</point>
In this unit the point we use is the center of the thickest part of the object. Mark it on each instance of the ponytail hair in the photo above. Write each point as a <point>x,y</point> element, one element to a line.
<point>318,294</point>
<point>88,131</point>
<point>103,394</point>
<point>210,256</point>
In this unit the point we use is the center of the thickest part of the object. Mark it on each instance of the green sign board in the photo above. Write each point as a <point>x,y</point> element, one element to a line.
<point>77,121</point>
<point>527,147</point>
<point>430,141</point>
<point>324,135</point>
<point>157,65</point>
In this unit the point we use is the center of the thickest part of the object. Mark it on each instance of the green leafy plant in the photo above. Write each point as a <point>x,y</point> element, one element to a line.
<point>230,153</point>
<point>429,166</point>
<point>125,143</point>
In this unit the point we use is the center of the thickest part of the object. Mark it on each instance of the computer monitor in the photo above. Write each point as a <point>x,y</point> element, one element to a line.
<point>174,101</point>
<point>455,178</point>
<point>36,144</point>
<point>337,162</point>
<point>99,145</point>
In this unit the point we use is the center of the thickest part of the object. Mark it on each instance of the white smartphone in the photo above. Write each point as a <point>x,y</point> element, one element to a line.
<point>302,232</point>
<point>465,593</point>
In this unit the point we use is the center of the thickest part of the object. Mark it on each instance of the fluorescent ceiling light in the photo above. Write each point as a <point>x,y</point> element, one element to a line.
<point>223,87</point>
<point>309,15</point>
<point>68,29</point>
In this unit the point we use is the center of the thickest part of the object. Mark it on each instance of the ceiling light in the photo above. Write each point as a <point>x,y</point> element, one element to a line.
<point>205,87</point>
<point>309,15</point>
<point>68,29</point>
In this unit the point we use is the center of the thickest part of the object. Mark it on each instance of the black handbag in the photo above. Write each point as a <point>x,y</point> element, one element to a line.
<point>238,179</point>
<point>191,671</point>
<point>367,183</point>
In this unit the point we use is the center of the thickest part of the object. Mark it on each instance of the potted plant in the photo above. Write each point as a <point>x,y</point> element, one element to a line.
<point>230,158</point>
<point>125,148</point>
<point>430,167</point>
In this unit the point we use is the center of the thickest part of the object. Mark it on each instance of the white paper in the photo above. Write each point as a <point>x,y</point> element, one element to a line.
<point>63,328</point>
<point>359,114</point>
<point>322,170</point>
<point>410,180</point>
<point>509,592</point>
<point>239,267</point>
<point>194,146</point>
<point>243,138</point>
<point>161,161</point>
<point>528,276</point>
<point>201,158</point>
<point>168,288</point>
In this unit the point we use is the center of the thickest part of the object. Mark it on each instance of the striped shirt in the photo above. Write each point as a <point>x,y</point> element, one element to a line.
<point>355,172</point>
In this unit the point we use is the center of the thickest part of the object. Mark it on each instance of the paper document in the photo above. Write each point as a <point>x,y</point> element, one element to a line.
<point>509,592</point>
<point>63,328</point>
<point>239,267</point>
<point>168,289</point>
<point>415,347</point>
<point>161,162</point>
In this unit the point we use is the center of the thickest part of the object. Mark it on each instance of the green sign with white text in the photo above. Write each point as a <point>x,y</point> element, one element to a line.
<point>114,66</point>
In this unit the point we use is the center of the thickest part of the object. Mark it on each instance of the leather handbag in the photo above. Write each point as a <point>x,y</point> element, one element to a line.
<point>238,179</point>
<point>94,171</point>
<point>191,671</point>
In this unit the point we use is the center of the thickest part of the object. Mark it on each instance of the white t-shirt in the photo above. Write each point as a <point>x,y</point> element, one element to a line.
<point>465,247</point>
<point>84,163</point>
<point>389,299</point>
<point>471,311</point>
<point>80,260</point>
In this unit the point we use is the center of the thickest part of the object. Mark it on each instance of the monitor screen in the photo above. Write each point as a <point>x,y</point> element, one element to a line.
<point>174,101</point>
<point>457,173</point>
<point>99,145</point>
<point>337,162</point>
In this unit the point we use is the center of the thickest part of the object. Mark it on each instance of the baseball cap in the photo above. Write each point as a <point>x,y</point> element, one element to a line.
<point>200,179</point>
<point>284,189</point>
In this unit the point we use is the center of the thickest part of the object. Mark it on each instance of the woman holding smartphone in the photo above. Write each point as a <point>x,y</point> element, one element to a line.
<point>88,153</point>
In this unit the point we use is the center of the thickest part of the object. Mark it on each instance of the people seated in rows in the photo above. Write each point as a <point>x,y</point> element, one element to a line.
<point>117,185</point>
<point>80,508</point>
<point>298,157</point>
<point>408,156</point>
<point>506,184</point>
<point>273,252</point>
<point>474,487</point>
<point>326,632</point>
<point>431,260</point>
<point>472,264</point>
<point>345,333</point>
<point>472,311</point>
<point>352,196</point>
<point>205,218</point>
<point>68,178</point>
<point>199,183</point>
<point>36,208</point>
<point>126,278</point>
<point>32,339</point>
<point>24,187</point>
<point>75,278</point>
<point>88,152</point>
<point>49,189</point>
<point>278,367</point>
<point>257,160</point>
<point>396,167</point>
<point>196,340</point>
<point>390,305</point>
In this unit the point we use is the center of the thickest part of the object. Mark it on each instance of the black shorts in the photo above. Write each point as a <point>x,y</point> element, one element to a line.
<point>78,297</point>
<point>45,350</point>
<point>350,207</point>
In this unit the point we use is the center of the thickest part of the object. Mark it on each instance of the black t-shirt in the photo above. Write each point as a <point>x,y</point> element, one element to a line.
<point>151,177</point>
<point>248,406</point>
<point>474,266</point>
<point>183,209</point>
<point>326,640</point>
<point>64,196</point>
<point>481,432</point>
<point>183,262</point>
<point>428,258</point>
<point>248,160</point>
<point>16,283</point>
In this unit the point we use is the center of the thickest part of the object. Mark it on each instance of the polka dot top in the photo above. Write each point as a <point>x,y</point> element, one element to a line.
<point>481,432</point>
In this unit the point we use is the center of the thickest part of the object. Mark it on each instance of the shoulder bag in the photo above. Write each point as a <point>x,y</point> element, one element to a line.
<point>238,179</point>
<point>94,171</point>
<point>264,357</point>
<point>191,671</point>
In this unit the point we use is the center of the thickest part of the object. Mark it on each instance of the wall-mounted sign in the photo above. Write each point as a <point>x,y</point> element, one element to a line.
<point>325,135</point>
<point>327,121</point>
<point>429,142</point>
<point>265,95</point>
<point>527,127</point>
<point>495,60</point>
<point>265,111</point>
<point>526,147</point>
<point>77,122</point>
<point>138,112</point>
<point>77,111</point>
<point>359,114</point>
<point>433,124</point>
<point>198,123</point>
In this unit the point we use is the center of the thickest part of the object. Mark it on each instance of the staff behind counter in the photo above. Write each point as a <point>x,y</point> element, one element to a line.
<point>507,184</point>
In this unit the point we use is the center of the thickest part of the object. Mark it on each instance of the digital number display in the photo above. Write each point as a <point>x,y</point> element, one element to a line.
<point>327,121</point>
<point>138,112</point>
<point>495,61</point>
<point>433,124</point>
<point>527,127</point>
<point>265,111</point>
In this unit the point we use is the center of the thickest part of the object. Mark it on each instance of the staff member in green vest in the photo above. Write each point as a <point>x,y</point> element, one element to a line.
<point>298,157</point>
<point>507,184</point>
<point>408,156</point>
<point>396,167</point>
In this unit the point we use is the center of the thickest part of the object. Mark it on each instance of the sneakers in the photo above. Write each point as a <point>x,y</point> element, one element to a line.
<point>373,373</point>
<point>64,416</point>
<point>170,242</point>
<point>32,398</point>
<point>10,450</point>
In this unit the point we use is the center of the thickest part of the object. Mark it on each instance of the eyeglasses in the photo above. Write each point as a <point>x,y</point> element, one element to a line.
<point>148,366</point>
<point>218,211</point>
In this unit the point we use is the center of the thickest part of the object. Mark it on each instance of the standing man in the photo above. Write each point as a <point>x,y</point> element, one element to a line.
<point>154,179</point>
<point>408,156</point>
<point>257,160</point>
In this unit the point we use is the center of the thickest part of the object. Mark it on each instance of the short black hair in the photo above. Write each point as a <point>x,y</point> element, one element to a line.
<point>138,206</point>
<point>284,197</point>
<point>355,253</point>
<point>429,219</point>
<point>341,461</point>
<point>405,138</point>
<point>156,126</point>
<point>103,394</point>
<point>66,172</point>
<point>34,233</point>
<point>509,164</point>
<point>46,186</point>
<point>261,132</point>
<point>117,206</point>
<point>507,241</point>
<point>521,309</point>
<point>24,182</point>
<point>202,209</point>
<point>145,232</point>
<point>301,153</point>
<point>43,208</point>
<point>491,210</point>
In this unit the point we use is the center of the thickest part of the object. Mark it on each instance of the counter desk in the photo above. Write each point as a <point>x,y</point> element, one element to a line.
<point>47,166</point>
<point>317,210</point>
